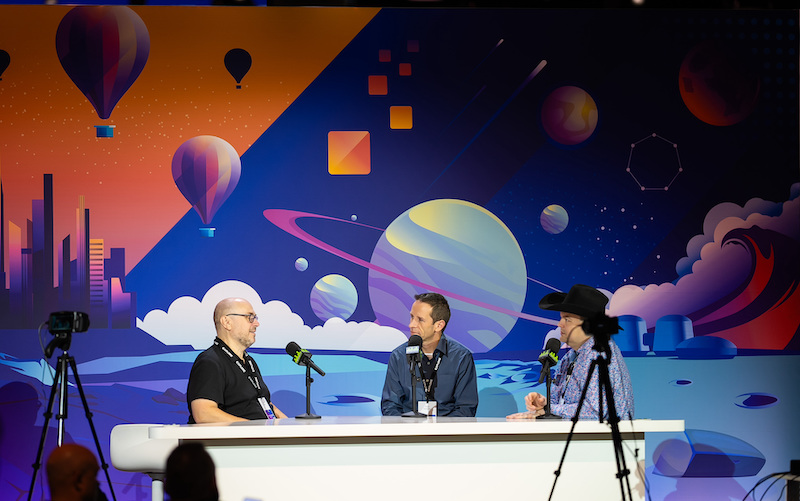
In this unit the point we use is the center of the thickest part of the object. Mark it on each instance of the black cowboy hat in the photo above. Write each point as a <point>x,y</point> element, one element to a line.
<point>581,300</point>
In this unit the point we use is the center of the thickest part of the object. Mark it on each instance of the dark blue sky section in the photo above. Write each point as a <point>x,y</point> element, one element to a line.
<point>471,140</point>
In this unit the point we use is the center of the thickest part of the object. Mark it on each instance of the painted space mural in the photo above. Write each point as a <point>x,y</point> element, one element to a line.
<point>327,164</point>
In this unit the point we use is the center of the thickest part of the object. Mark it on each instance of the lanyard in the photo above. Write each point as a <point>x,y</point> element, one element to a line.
<point>251,375</point>
<point>565,371</point>
<point>427,383</point>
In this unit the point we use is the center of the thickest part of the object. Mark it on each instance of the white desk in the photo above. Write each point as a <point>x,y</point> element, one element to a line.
<point>385,458</point>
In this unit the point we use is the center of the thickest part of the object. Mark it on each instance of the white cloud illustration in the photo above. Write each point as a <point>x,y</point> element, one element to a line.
<point>188,321</point>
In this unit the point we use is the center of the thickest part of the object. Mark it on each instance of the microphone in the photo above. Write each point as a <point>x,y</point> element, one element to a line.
<point>549,357</point>
<point>413,354</point>
<point>414,349</point>
<point>302,357</point>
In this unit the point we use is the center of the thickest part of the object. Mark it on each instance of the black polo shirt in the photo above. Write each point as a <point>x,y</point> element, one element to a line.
<point>215,376</point>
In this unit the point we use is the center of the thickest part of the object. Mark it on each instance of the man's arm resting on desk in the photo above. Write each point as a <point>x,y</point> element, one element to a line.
<point>208,411</point>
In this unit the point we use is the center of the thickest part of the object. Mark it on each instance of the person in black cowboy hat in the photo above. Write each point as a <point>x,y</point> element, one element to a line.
<point>578,306</point>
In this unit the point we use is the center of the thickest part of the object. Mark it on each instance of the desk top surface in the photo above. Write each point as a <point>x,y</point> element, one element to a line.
<point>376,426</point>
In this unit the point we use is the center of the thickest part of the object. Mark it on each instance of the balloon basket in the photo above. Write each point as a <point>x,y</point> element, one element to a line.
<point>207,232</point>
<point>105,130</point>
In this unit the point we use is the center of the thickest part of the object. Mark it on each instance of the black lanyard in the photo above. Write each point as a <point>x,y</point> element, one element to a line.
<point>251,374</point>
<point>427,383</point>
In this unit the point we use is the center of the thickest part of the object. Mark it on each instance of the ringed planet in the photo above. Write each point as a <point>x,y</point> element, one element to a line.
<point>286,220</point>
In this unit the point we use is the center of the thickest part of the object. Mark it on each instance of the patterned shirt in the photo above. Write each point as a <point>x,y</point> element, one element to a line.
<point>571,377</point>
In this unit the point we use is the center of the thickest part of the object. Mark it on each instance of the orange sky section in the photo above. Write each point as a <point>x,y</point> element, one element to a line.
<point>47,124</point>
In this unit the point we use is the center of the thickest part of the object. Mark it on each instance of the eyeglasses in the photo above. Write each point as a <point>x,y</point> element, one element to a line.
<point>251,317</point>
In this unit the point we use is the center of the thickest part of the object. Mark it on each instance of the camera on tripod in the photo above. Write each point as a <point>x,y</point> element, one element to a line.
<point>61,325</point>
<point>601,325</point>
<point>67,322</point>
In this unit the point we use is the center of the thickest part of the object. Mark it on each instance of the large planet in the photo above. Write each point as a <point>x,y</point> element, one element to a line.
<point>481,249</point>
<point>459,248</point>
<point>716,84</point>
<point>569,115</point>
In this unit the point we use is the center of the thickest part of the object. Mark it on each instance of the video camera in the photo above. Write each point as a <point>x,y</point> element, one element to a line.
<point>61,325</point>
<point>67,322</point>
<point>601,325</point>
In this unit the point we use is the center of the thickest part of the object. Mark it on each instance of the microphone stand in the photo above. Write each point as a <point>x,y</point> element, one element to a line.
<point>414,413</point>
<point>602,346</point>
<point>309,380</point>
<point>547,414</point>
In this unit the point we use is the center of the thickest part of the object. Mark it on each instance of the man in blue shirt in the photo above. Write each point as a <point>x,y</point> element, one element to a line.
<point>577,308</point>
<point>449,380</point>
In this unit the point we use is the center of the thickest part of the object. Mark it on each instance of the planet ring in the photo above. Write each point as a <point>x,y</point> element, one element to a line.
<point>286,220</point>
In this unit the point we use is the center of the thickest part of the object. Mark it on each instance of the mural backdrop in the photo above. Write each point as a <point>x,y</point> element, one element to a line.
<point>329,163</point>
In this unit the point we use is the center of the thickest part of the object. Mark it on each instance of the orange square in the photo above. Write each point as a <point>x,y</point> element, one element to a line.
<point>412,46</point>
<point>378,85</point>
<point>348,152</point>
<point>384,55</point>
<point>400,117</point>
<point>404,69</point>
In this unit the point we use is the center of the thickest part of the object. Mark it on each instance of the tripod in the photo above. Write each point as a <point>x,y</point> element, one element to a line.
<point>602,346</point>
<point>60,382</point>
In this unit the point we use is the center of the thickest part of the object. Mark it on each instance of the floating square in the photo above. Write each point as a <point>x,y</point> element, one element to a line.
<point>105,130</point>
<point>412,46</point>
<point>400,117</point>
<point>378,85</point>
<point>348,152</point>
<point>404,69</point>
<point>384,55</point>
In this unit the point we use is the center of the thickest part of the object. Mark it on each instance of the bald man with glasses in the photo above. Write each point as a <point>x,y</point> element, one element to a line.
<point>225,383</point>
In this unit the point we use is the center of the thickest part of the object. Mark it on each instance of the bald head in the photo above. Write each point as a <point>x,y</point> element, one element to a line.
<point>229,305</point>
<point>72,473</point>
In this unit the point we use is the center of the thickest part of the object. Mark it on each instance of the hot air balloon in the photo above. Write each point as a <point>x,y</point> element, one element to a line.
<point>103,49</point>
<point>206,170</point>
<point>237,62</point>
<point>5,60</point>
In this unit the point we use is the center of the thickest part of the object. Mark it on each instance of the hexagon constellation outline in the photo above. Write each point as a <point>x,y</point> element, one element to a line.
<point>677,157</point>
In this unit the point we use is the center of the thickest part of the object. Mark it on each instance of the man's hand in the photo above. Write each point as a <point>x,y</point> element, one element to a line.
<point>526,415</point>
<point>535,401</point>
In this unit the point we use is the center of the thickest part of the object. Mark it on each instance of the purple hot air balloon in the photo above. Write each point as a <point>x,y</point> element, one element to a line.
<point>103,49</point>
<point>206,169</point>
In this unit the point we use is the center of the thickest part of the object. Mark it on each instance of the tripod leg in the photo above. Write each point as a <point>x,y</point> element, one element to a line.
<point>91,425</point>
<point>616,436</point>
<point>574,423</point>
<point>47,415</point>
<point>63,408</point>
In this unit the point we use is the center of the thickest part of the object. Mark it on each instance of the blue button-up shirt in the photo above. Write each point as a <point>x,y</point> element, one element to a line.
<point>571,377</point>
<point>456,383</point>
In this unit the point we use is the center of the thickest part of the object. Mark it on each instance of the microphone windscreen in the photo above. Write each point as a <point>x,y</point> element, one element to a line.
<point>415,340</point>
<point>553,345</point>
<point>292,348</point>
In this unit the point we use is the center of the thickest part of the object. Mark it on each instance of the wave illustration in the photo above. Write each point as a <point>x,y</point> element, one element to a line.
<point>768,298</point>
